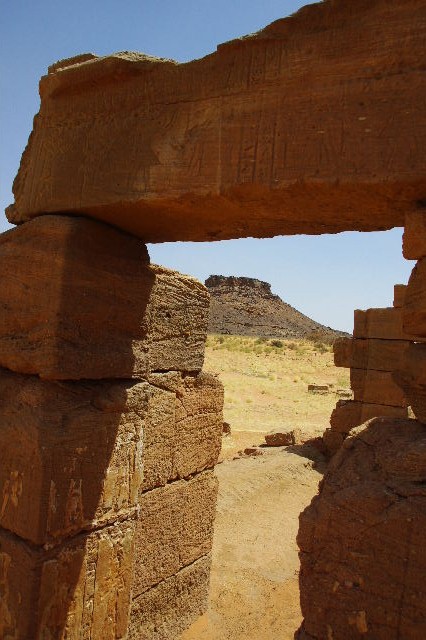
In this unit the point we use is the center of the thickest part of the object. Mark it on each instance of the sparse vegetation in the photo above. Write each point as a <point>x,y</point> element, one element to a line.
<point>321,337</point>
<point>266,383</point>
<point>247,344</point>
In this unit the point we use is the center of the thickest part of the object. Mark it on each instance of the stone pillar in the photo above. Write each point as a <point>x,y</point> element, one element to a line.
<point>109,432</point>
<point>412,373</point>
<point>174,531</point>
<point>373,354</point>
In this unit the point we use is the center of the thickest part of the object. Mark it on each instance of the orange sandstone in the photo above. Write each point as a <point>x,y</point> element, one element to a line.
<point>313,125</point>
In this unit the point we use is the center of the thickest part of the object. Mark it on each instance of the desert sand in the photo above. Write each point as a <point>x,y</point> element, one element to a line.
<point>254,583</point>
<point>254,592</point>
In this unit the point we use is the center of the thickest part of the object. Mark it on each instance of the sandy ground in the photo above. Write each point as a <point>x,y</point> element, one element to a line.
<point>267,388</point>
<point>254,592</point>
<point>254,582</point>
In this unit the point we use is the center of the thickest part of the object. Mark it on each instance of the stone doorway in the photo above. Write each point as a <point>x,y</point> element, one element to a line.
<point>313,125</point>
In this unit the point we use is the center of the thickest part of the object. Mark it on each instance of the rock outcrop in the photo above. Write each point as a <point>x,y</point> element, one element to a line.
<point>247,307</point>
<point>312,125</point>
<point>283,438</point>
<point>99,310</point>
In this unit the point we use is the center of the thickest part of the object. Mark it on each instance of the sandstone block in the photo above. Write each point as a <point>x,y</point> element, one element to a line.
<point>251,451</point>
<point>332,440</point>
<point>414,311</point>
<point>376,387</point>
<point>383,323</point>
<point>342,350</point>
<point>381,355</point>
<point>164,612</point>
<point>399,291</point>
<point>80,589</point>
<point>80,301</point>
<point>412,379</point>
<point>71,454</point>
<point>318,388</point>
<point>175,528</point>
<point>344,393</point>
<point>283,438</point>
<point>183,430</point>
<point>211,149</point>
<point>414,237</point>
<point>349,414</point>
<point>368,521</point>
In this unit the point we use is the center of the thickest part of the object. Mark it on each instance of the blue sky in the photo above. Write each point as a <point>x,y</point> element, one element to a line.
<point>326,277</point>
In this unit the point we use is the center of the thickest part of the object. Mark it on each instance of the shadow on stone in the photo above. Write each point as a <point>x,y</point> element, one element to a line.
<point>368,521</point>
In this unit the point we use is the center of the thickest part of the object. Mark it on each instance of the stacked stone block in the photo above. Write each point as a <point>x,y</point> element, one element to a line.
<point>362,538</point>
<point>109,432</point>
<point>178,494</point>
<point>374,353</point>
<point>412,373</point>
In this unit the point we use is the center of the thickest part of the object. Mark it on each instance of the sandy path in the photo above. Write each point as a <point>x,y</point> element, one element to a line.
<point>254,584</point>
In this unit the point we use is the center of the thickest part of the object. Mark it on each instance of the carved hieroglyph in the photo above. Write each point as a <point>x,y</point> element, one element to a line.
<point>317,124</point>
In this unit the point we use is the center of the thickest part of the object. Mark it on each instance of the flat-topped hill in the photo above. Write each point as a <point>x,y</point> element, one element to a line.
<point>247,307</point>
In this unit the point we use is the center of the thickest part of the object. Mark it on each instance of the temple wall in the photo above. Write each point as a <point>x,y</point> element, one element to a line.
<point>373,354</point>
<point>109,433</point>
<point>109,429</point>
<point>362,538</point>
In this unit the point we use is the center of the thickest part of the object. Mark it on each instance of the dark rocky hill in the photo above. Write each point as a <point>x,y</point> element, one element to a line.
<point>247,307</point>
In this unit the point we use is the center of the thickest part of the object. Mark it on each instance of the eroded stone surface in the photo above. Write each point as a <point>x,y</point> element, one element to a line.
<point>71,454</point>
<point>342,352</point>
<point>414,311</point>
<point>385,323</point>
<point>283,438</point>
<point>414,237</point>
<point>362,538</point>
<point>349,414</point>
<point>80,300</point>
<point>399,291</point>
<point>313,125</point>
<point>332,440</point>
<point>183,432</point>
<point>80,589</point>
<point>376,387</point>
<point>167,610</point>
<point>174,529</point>
<point>412,378</point>
<point>381,355</point>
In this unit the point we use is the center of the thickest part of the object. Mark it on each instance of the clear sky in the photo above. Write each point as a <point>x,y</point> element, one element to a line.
<point>326,277</point>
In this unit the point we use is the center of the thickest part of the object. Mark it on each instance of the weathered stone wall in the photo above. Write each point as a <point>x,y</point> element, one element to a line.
<point>362,539</point>
<point>312,125</point>
<point>109,432</point>
<point>108,429</point>
<point>374,353</point>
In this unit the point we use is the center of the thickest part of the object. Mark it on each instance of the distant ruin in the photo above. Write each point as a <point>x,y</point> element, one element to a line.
<point>109,429</point>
